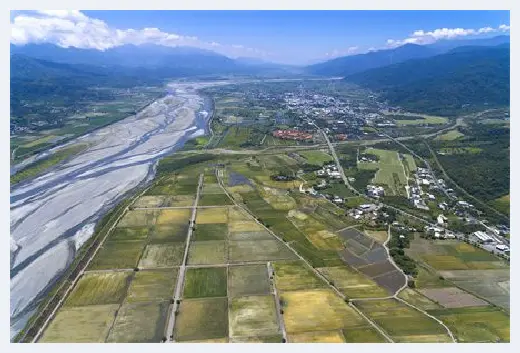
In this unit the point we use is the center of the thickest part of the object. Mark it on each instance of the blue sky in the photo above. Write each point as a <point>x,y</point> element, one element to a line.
<point>296,37</point>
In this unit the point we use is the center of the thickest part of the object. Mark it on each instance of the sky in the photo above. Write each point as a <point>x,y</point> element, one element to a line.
<point>290,37</point>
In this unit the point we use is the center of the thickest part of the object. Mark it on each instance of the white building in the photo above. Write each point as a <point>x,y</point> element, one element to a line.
<point>482,236</point>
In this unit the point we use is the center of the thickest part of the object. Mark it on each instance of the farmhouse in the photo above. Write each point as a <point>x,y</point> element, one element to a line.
<point>441,219</point>
<point>375,191</point>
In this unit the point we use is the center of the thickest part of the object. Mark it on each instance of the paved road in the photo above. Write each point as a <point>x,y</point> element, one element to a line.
<point>277,302</point>
<point>182,268</point>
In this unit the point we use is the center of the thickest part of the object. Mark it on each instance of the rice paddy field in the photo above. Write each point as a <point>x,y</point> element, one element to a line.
<point>390,171</point>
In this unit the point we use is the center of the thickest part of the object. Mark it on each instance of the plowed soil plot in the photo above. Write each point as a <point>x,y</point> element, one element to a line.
<point>237,179</point>
<point>370,258</point>
<point>452,297</point>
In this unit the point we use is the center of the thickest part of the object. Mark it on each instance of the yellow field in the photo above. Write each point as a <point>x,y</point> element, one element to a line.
<point>244,226</point>
<point>173,216</point>
<point>82,324</point>
<point>353,284</point>
<point>212,215</point>
<point>280,202</point>
<point>317,337</point>
<point>39,141</point>
<point>423,339</point>
<point>150,201</point>
<point>238,214</point>
<point>240,188</point>
<point>317,310</point>
<point>164,201</point>
<point>325,240</point>
<point>378,235</point>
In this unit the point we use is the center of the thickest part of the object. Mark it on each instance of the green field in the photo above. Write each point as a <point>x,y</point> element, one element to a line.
<point>502,204</point>
<point>162,255</point>
<point>208,231</point>
<point>139,322</point>
<point>210,252</point>
<point>169,233</point>
<point>100,288</point>
<point>476,324</point>
<point>155,285</point>
<point>416,119</point>
<point>205,282</point>
<point>248,280</point>
<point>390,171</point>
<point>316,157</point>
<point>214,200</point>
<point>363,335</point>
<point>117,255</point>
<point>253,316</point>
<point>129,234</point>
<point>202,319</point>
<point>450,135</point>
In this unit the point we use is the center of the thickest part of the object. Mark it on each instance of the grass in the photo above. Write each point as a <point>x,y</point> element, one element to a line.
<point>402,322</point>
<point>205,282</point>
<point>80,324</point>
<point>166,217</point>
<point>202,319</point>
<point>44,164</point>
<point>316,157</point>
<point>253,316</point>
<point>248,280</point>
<point>156,285</point>
<point>317,310</point>
<point>235,137</point>
<point>502,204</point>
<point>390,171</point>
<point>162,255</point>
<point>295,275</point>
<point>317,337</point>
<point>208,231</point>
<point>211,215</point>
<point>209,252</point>
<point>427,278</point>
<point>450,135</point>
<point>259,250</point>
<point>353,284</point>
<point>117,255</point>
<point>139,322</point>
<point>476,324</point>
<point>423,119</point>
<point>100,288</point>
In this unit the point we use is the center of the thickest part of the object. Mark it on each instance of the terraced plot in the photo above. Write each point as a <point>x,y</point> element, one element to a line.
<point>100,288</point>
<point>253,316</point>
<point>202,319</point>
<point>248,280</point>
<point>81,324</point>
<point>139,322</point>
<point>402,323</point>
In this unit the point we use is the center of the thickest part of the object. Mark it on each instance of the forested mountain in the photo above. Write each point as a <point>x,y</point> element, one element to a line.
<point>348,65</point>
<point>444,84</point>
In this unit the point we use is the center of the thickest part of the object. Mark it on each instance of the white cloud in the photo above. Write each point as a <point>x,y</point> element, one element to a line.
<point>72,28</point>
<point>422,37</point>
<point>343,52</point>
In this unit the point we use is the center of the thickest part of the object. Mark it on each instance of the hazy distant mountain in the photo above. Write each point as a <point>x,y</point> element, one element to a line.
<point>349,65</point>
<point>466,77</point>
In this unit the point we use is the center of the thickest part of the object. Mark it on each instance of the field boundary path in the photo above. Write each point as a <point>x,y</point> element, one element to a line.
<point>281,321</point>
<point>316,272</point>
<point>182,269</point>
<point>80,273</point>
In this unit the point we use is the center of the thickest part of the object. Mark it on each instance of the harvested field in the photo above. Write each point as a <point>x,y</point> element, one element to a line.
<point>214,200</point>
<point>140,322</point>
<point>244,226</point>
<point>238,214</point>
<point>129,234</point>
<point>317,310</point>
<point>202,319</point>
<point>248,280</point>
<point>258,250</point>
<point>236,179</point>
<point>81,324</point>
<point>205,282</point>
<point>353,284</point>
<point>209,252</point>
<point>209,231</point>
<point>377,269</point>
<point>392,281</point>
<point>179,216</point>
<point>417,299</point>
<point>378,235</point>
<point>317,337</point>
<point>212,188</point>
<point>156,285</point>
<point>401,322</point>
<point>117,255</point>
<point>253,316</point>
<point>476,324</point>
<point>295,275</point>
<point>354,236</point>
<point>100,288</point>
<point>164,201</point>
<point>169,233</point>
<point>452,297</point>
<point>257,235</point>
<point>138,218</point>
<point>363,335</point>
<point>492,285</point>
<point>162,255</point>
<point>211,215</point>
